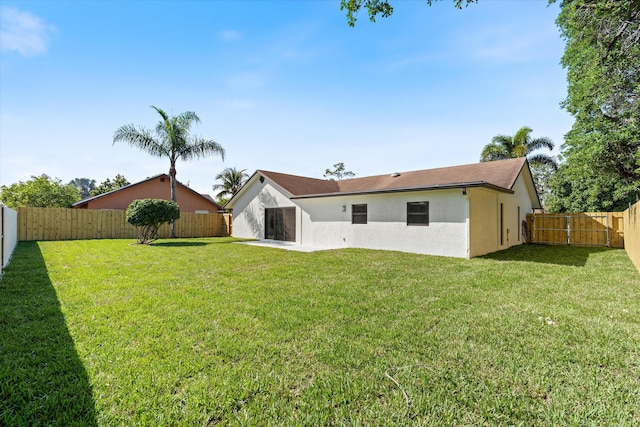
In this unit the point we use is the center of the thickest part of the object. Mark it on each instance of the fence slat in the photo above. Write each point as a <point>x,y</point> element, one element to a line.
<point>67,224</point>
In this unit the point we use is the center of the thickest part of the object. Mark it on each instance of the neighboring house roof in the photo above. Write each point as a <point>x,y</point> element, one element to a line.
<point>500,175</point>
<point>85,202</point>
<point>208,197</point>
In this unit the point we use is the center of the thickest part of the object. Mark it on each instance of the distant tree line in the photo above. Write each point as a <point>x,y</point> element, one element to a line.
<point>45,192</point>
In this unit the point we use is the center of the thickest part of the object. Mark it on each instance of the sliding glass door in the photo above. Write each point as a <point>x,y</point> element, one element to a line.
<point>280,224</point>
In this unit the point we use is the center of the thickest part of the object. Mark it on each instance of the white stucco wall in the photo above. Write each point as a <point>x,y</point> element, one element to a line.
<point>326,222</point>
<point>521,198</point>
<point>248,209</point>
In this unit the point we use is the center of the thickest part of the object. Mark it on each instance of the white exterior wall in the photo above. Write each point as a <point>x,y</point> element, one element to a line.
<point>9,239</point>
<point>326,222</point>
<point>248,209</point>
<point>459,225</point>
<point>511,222</point>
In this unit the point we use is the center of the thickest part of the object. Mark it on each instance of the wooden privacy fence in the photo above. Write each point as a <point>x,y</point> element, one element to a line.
<point>580,229</point>
<point>68,224</point>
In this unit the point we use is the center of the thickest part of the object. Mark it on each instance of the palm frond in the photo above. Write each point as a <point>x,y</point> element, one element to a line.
<point>199,147</point>
<point>494,151</point>
<point>185,120</point>
<point>519,151</point>
<point>232,180</point>
<point>141,138</point>
<point>542,142</point>
<point>165,116</point>
<point>543,159</point>
<point>522,136</point>
<point>506,141</point>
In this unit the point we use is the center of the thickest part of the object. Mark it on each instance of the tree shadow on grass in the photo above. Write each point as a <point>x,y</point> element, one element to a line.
<point>178,244</point>
<point>43,381</point>
<point>188,243</point>
<point>547,254</point>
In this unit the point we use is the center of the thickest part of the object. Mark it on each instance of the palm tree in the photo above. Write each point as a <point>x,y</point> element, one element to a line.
<point>232,180</point>
<point>519,145</point>
<point>171,139</point>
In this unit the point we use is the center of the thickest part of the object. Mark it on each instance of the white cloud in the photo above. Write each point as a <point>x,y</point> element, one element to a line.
<point>230,35</point>
<point>23,32</point>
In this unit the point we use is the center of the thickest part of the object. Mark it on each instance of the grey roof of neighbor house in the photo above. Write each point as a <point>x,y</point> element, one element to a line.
<point>499,175</point>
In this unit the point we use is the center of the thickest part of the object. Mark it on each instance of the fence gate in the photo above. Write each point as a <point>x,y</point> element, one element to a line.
<point>584,229</point>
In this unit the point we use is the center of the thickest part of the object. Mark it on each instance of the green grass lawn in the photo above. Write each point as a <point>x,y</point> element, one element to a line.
<point>201,332</point>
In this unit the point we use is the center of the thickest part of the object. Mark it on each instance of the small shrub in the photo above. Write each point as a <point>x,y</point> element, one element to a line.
<point>149,214</point>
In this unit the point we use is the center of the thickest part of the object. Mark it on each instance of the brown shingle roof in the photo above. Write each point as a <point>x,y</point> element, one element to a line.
<point>500,174</point>
<point>300,185</point>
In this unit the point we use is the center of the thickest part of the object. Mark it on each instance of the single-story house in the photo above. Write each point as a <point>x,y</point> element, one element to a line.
<point>156,187</point>
<point>460,211</point>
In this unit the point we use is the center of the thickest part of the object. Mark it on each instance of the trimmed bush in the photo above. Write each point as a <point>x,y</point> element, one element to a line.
<point>149,214</point>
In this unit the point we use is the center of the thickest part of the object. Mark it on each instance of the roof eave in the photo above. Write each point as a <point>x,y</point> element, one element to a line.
<point>409,189</point>
<point>256,175</point>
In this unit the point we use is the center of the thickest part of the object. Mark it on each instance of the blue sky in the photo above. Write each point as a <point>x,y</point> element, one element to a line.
<point>285,86</point>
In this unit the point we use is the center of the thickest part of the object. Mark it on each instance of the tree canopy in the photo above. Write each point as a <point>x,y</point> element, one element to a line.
<point>40,192</point>
<point>85,185</point>
<point>149,214</point>
<point>338,172</point>
<point>108,185</point>
<point>381,7</point>
<point>601,154</point>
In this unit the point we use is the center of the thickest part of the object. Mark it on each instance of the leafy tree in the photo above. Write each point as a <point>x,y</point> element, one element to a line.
<point>232,180</point>
<point>338,172</point>
<point>149,214</point>
<point>576,188</point>
<point>381,7</point>
<point>85,185</point>
<point>41,192</point>
<point>171,139</point>
<point>542,175</point>
<point>601,153</point>
<point>107,185</point>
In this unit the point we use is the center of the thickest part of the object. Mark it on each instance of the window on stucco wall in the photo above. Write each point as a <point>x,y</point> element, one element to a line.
<point>418,213</point>
<point>358,214</point>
